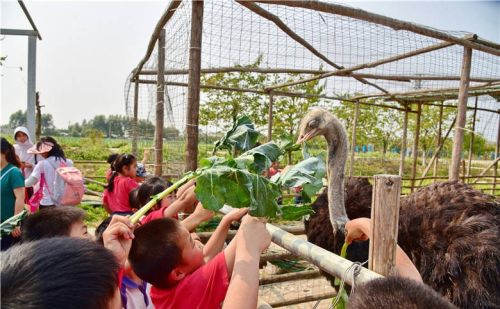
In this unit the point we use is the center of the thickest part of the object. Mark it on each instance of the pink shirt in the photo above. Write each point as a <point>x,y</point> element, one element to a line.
<point>117,200</point>
<point>205,288</point>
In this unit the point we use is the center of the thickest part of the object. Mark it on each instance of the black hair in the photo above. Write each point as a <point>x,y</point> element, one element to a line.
<point>396,293</point>
<point>155,251</point>
<point>120,162</point>
<point>10,154</point>
<point>51,222</point>
<point>58,272</point>
<point>150,187</point>
<point>111,159</point>
<point>100,230</point>
<point>56,150</point>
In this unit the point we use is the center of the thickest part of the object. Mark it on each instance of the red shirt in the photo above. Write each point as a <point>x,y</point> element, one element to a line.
<point>117,200</point>
<point>205,288</point>
<point>156,214</point>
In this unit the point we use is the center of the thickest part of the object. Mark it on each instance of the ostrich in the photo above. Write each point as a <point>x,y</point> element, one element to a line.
<point>449,230</point>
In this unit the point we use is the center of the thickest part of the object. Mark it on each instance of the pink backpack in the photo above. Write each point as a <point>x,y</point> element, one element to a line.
<point>68,186</point>
<point>34,201</point>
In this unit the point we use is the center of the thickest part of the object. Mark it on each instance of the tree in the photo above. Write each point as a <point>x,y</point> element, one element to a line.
<point>18,119</point>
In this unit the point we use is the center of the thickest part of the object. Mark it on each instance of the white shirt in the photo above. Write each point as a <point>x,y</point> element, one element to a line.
<point>47,168</point>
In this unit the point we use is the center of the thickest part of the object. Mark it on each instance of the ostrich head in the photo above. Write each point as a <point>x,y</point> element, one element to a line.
<point>321,122</point>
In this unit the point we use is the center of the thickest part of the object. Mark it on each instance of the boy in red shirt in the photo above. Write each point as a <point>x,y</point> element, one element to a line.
<point>184,274</point>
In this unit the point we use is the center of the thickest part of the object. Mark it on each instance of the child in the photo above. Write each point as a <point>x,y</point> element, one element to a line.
<point>54,157</point>
<point>110,160</point>
<point>22,145</point>
<point>54,222</point>
<point>185,275</point>
<point>359,229</point>
<point>116,195</point>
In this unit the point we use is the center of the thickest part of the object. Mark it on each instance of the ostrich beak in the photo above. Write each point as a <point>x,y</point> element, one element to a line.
<point>304,138</point>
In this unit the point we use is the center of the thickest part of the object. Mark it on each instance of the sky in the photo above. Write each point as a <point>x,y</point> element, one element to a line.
<point>88,48</point>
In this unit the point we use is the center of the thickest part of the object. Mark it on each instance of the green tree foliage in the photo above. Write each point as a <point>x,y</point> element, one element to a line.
<point>19,119</point>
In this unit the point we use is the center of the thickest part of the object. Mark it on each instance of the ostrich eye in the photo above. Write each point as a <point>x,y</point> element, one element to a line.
<point>313,123</point>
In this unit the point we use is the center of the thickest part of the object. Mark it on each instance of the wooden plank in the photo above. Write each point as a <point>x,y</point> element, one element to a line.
<point>403,143</point>
<point>384,224</point>
<point>193,95</point>
<point>415,146</point>
<point>301,275</point>
<point>353,139</point>
<point>169,12</point>
<point>458,139</point>
<point>393,23</point>
<point>160,105</point>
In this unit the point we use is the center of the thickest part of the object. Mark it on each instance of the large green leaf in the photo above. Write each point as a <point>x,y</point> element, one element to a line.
<point>307,174</point>
<point>294,213</point>
<point>242,136</point>
<point>263,156</point>
<point>238,188</point>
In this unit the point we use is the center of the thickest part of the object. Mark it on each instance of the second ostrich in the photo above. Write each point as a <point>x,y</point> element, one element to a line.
<point>449,230</point>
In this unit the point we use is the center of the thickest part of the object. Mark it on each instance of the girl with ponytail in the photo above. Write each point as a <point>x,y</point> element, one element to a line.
<point>121,182</point>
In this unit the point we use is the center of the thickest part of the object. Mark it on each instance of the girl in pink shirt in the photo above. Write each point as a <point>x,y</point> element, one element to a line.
<point>121,182</point>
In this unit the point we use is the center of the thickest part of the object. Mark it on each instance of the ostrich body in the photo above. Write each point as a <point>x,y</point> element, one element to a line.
<point>450,231</point>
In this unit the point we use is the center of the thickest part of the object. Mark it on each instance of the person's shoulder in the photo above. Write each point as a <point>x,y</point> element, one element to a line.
<point>16,171</point>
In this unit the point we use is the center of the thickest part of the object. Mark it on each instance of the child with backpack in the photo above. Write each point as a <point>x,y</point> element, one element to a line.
<point>116,195</point>
<point>60,183</point>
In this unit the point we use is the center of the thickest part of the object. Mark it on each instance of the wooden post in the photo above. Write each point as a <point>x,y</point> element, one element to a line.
<point>415,147</point>
<point>160,104</point>
<point>403,142</point>
<point>38,131</point>
<point>134,120</point>
<point>270,117</point>
<point>438,143</point>
<point>384,224</point>
<point>458,139</point>
<point>497,150</point>
<point>193,96</point>
<point>30,110</point>
<point>473,134</point>
<point>353,139</point>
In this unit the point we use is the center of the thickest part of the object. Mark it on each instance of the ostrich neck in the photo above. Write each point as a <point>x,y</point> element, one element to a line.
<point>337,154</point>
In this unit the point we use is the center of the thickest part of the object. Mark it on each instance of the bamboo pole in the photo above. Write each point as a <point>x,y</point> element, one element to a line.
<point>384,224</point>
<point>270,117</point>
<point>169,12</point>
<point>193,108</point>
<point>275,93</point>
<point>386,21</point>
<point>403,142</point>
<point>461,113</point>
<point>471,142</point>
<point>438,140</point>
<point>160,105</point>
<point>280,24</point>
<point>436,154</point>
<point>415,146</point>
<point>497,151</point>
<point>494,163</point>
<point>134,120</point>
<point>353,139</point>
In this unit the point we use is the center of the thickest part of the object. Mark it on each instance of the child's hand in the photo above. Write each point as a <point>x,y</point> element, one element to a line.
<point>202,213</point>
<point>16,232</point>
<point>254,233</point>
<point>118,237</point>
<point>235,215</point>
<point>357,230</point>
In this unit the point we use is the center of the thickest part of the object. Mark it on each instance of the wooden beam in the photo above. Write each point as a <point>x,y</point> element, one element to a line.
<point>384,224</point>
<point>353,138</point>
<point>280,24</point>
<point>28,16</point>
<point>135,118</point>
<point>383,20</point>
<point>461,113</point>
<point>237,69</point>
<point>301,275</point>
<point>169,12</point>
<point>5,31</point>
<point>160,104</point>
<point>415,146</point>
<point>403,143</point>
<point>471,142</point>
<point>193,106</point>
<point>275,93</point>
